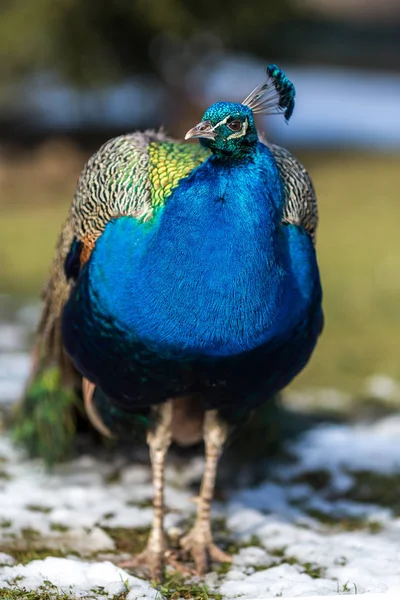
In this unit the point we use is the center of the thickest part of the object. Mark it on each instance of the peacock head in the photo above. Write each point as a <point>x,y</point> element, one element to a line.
<point>228,128</point>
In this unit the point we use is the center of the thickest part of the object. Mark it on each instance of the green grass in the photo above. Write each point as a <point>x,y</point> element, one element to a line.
<point>25,554</point>
<point>128,539</point>
<point>359,259</point>
<point>175,587</point>
<point>28,237</point>
<point>15,593</point>
<point>50,592</point>
<point>358,252</point>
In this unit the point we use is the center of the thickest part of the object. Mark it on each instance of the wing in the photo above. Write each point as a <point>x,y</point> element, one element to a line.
<point>300,200</point>
<point>130,175</point>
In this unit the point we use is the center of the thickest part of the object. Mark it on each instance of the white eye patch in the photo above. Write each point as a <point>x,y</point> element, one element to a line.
<point>237,134</point>
<point>241,133</point>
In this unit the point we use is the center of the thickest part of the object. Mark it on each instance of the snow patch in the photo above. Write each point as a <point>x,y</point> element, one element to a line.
<point>76,577</point>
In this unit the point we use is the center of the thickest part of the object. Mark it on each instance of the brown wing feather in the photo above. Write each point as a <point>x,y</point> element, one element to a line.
<point>49,348</point>
<point>301,206</point>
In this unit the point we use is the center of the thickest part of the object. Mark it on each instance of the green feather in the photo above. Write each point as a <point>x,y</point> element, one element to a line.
<point>45,420</point>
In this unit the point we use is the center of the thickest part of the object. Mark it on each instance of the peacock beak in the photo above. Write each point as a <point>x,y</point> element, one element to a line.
<point>202,130</point>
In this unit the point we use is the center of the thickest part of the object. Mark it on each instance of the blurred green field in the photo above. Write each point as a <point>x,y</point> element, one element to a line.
<point>358,248</point>
<point>359,255</point>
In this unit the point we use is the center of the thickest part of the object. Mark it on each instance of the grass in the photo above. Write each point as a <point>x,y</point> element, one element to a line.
<point>358,252</point>
<point>35,192</point>
<point>29,547</point>
<point>347,523</point>
<point>372,487</point>
<point>175,587</point>
<point>14,593</point>
<point>360,267</point>
<point>311,569</point>
<point>38,508</point>
<point>128,540</point>
<point>28,237</point>
<point>25,554</point>
<point>49,592</point>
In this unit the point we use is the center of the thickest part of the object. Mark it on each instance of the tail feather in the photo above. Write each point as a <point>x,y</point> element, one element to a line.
<point>45,420</point>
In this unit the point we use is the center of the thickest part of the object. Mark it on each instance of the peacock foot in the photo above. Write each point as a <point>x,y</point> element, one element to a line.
<point>149,561</point>
<point>152,562</point>
<point>199,544</point>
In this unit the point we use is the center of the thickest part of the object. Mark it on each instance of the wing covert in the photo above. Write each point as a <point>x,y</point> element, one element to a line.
<point>301,206</point>
<point>133,174</point>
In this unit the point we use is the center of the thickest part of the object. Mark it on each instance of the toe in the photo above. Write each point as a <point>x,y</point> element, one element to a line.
<point>150,562</point>
<point>131,563</point>
<point>156,564</point>
<point>201,559</point>
<point>219,555</point>
<point>174,559</point>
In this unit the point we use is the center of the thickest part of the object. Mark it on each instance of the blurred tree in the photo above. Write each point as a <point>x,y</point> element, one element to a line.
<point>96,41</point>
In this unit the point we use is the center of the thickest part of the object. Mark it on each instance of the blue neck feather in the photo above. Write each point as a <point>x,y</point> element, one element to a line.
<point>211,274</point>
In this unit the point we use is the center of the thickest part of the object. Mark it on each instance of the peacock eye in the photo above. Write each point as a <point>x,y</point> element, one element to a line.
<point>235,125</point>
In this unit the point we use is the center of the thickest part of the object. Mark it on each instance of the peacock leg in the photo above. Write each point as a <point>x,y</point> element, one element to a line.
<point>159,440</point>
<point>199,542</point>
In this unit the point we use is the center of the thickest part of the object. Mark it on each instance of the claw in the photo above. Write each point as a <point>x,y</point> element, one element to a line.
<point>202,549</point>
<point>219,555</point>
<point>173,559</point>
<point>150,562</point>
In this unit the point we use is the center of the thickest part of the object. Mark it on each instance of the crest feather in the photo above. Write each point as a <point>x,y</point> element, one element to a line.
<point>275,96</point>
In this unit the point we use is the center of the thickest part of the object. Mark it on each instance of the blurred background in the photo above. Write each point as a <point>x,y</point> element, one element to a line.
<point>73,74</point>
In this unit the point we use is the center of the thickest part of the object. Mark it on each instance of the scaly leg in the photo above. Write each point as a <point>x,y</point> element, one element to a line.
<point>159,440</point>
<point>199,542</point>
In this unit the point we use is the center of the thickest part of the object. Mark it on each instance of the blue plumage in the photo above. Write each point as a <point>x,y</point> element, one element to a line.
<point>214,289</point>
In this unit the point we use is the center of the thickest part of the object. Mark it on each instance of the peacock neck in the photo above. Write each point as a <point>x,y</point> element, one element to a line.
<point>227,209</point>
<point>227,194</point>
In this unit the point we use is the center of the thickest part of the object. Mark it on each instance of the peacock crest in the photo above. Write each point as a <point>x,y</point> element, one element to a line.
<point>275,96</point>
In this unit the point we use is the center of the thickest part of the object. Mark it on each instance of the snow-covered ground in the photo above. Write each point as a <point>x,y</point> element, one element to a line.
<point>323,521</point>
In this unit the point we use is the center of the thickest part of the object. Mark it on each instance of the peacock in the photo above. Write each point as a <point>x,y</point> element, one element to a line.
<point>184,293</point>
